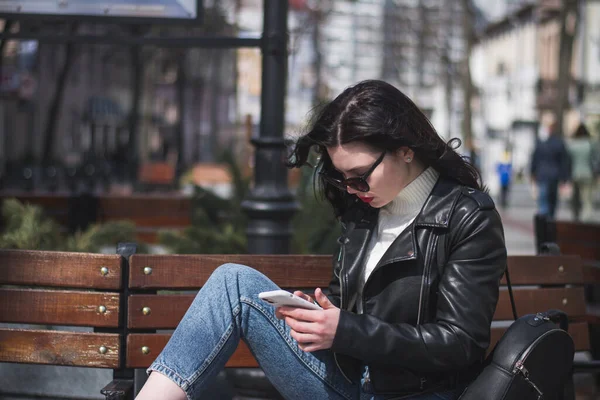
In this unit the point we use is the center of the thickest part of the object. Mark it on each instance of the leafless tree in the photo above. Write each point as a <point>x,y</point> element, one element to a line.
<point>318,13</point>
<point>468,30</point>
<point>56,103</point>
<point>569,19</point>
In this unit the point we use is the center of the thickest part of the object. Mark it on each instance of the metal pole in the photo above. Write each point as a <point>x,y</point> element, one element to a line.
<point>270,205</point>
<point>137,81</point>
<point>136,40</point>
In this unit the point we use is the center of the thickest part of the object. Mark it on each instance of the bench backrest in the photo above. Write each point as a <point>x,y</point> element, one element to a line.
<point>150,213</point>
<point>578,238</point>
<point>539,283</point>
<point>78,289</point>
<point>44,288</point>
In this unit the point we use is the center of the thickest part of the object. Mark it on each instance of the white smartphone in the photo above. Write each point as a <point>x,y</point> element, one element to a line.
<point>280,298</point>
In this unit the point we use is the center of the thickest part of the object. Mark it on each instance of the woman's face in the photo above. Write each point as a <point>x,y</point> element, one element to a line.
<point>396,170</point>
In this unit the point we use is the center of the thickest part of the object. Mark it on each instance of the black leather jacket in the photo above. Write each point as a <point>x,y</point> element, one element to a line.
<point>429,303</point>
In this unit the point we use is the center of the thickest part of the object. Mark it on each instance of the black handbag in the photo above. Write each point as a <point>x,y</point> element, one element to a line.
<point>532,360</point>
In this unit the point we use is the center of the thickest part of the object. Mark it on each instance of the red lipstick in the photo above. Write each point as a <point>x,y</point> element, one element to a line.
<point>366,199</point>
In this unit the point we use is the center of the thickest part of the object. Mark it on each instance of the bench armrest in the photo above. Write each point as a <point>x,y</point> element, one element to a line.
<point>592,366</point>
<point>119,389</point>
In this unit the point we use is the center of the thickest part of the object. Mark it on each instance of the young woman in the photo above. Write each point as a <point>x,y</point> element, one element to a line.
<point>414,286</point>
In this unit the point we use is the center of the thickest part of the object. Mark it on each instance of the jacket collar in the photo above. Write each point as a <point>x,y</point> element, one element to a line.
<point>435,213</point>
<point>439,205</point>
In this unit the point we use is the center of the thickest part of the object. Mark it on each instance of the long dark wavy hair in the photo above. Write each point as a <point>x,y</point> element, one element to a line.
<point>381,116</point>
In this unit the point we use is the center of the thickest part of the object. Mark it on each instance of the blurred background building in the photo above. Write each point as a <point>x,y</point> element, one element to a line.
<point>515,67</point>
<point>69,106</point>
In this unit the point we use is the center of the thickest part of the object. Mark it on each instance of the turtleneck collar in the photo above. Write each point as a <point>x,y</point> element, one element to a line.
<point>411,198</point>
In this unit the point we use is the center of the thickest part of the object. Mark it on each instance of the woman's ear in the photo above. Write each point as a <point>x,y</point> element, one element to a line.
<point>406,154</point>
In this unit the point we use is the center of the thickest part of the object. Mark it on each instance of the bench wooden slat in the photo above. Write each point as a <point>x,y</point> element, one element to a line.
<point>544,270</point>
<point>79,349</point>
<point>146,211</point>
<point>55,206</point>
<point>156,342</point>
<point>531,301</point>
<point>192,271</point>
<point>587,251</point>
<point>291,271</point>
<point>167,310</point>
<point>243,357</point>
<point>59,307</point>
<point>152,221</point>
<point>59,269</point>
<point>577,231</point>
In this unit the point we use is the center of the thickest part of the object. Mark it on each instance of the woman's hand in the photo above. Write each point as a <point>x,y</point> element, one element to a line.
<point>313,329</point>
<point>298,293</point>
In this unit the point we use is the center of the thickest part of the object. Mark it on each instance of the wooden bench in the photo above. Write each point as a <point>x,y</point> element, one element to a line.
<point>582,239</point>
<point>55,205</point>
<point>157,174</point>
<point>149,212</point>
<point>540,283</point>
<point>577,238</point>
<point>69,289</point>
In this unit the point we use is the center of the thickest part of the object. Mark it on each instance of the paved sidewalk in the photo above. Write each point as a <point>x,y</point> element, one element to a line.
<point>518,220</point>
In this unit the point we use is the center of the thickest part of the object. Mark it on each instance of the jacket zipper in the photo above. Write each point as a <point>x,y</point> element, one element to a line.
<point>519,367</point>
<point>426,269</point>
<point>341,278</point>
<point>421,298</point>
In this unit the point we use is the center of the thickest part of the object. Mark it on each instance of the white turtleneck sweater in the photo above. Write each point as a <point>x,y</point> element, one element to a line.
<point>393,219</point>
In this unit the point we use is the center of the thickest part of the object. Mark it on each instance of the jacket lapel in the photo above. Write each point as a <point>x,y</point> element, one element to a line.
<point>434,214</point>
<point>356,248</point>
<point>403,248</point>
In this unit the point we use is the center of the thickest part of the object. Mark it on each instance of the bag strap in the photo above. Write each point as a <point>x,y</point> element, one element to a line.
<point>510,293</point>
<point>558,317</point>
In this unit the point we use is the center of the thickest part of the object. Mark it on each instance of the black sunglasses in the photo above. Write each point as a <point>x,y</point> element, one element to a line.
<point>358,183</point>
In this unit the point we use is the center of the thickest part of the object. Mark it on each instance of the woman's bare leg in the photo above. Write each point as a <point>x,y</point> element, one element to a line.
<point>159,387</point>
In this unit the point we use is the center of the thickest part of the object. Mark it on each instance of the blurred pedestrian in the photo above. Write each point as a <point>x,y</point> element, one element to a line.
<point>581,150</point>
<point>549,168</point>
<point>504,170</point>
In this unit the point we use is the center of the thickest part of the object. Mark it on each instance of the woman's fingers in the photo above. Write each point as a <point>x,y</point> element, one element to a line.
<point>300,326</point>
<point>310,347</point>
<point>303,314</point>
<point>278,314</point>
<point>303,338</point>
<point>300,293</point>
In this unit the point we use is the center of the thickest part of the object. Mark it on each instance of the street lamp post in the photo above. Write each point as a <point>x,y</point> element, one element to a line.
<point>270,205</point>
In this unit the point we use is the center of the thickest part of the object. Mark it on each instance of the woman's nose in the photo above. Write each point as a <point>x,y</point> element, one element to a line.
<point>351,190</point>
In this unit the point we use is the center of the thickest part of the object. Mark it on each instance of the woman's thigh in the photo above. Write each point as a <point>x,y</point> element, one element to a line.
<point>226,310</point>
<point>295,373</point>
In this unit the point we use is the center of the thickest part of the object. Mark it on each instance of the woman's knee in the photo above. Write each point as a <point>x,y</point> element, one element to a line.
<point>236,272</point>
<point>246,280</point>
<point>232,269</point>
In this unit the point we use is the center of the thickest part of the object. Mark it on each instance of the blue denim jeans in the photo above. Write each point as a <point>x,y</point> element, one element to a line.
<point>547,198</point>
<point>228,309</point>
